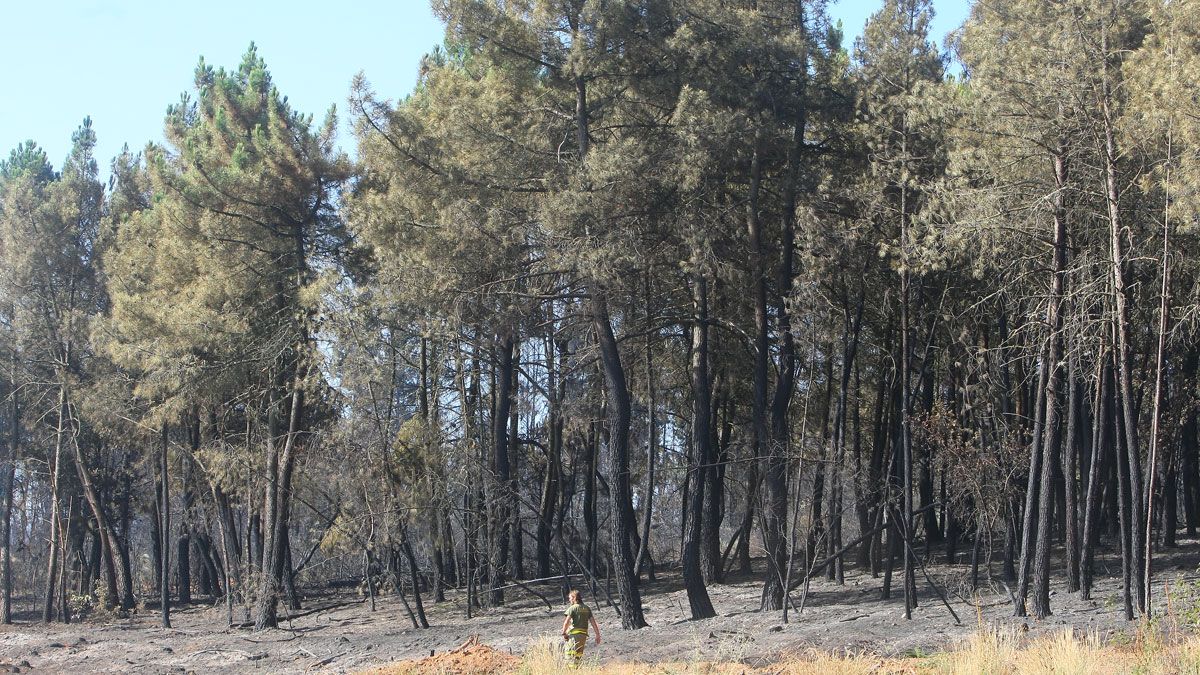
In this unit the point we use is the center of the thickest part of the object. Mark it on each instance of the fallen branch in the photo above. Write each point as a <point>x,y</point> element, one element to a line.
<point>328,660</point>
<point>846,549</point>
<point>316,610</point>
<point>243,652</point>
<point>523,585</point>
<point>932,583</point>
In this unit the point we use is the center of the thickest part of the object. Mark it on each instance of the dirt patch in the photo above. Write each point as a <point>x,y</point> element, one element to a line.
<point>469,658</point>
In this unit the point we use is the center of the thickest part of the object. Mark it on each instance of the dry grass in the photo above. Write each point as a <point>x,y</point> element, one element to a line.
<point>545,657</point>
<point>990,651</point>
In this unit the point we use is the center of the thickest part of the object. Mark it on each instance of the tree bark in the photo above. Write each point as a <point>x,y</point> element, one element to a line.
<point>104,533</point>
<point>275,558</point>
<point>516,566</point>
<point>852,325</point>
<point>501,498</point>
<point>643,554</point>
<point>621,518</point>
<point>1050,446</point>
<point>415,579</point>
<point>774,513</point>
<point>693,577</point>
<point>53,565</point>
<point>1097,471</point>
<point>548,503</point>
<point>1164,315</point>
<point>8,475</point>
<point>1123,346</point>
<point>164,510</point>
<point>1070,469</point>
<point>1029,520</point>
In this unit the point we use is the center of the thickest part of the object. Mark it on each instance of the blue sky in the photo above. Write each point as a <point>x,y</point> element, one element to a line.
<point>124,61</point>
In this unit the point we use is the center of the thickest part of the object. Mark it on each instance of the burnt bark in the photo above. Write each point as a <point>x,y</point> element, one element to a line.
<point>693,577</point>
<point>621,518</point>
<point>500,511</point>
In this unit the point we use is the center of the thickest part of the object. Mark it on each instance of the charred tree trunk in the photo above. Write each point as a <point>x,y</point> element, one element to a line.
<point>501,499</point>
<point>516,543</point>
<point>1052,380</point>
<point>414,578</point>
<point>906,453</point>
<point>104,533</point>
<point>53,564</point>
<point>275,555</point>
<point>591,449</point>
<point>621,518</point>
<point>8,479</point>
<point>770,442</point>
<point>1125,517</point>
<point>1029,519</point>
<point>693,577</point>
<point>551,489</point>
<point>1070,469</point>
<point>852,324</point>
<point>164,510</point>
<point>1189,449</point>
<point>643,555</point>
<point>1153,470</point>
<point>1097,471</point>
<point>1123,342</point>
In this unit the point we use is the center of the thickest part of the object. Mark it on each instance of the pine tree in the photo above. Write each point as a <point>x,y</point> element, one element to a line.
<point>243,215</point>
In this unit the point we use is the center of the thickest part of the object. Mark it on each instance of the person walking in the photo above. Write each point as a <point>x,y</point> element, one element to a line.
<point>576,621</point>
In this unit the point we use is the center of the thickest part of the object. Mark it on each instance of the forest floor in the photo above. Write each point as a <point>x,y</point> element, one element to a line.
<point>836,619</point>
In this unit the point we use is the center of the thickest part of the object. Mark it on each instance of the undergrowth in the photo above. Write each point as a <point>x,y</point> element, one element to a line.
<point>1149,650</point>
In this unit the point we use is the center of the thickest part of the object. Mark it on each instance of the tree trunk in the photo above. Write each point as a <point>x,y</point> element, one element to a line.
<point>1164,315</point>
<point>693,577</point>
<point>774,515</point>
<point>906,454</point>
<point>1053,371</point>
<point>1030,518</point>
<point>851,329</point>
<point>1097,470</point>
<point>643,554</point>
<point>516,545</point>
<point>1123,344</point>
<point>183,555</point>
<point>53,574</point>
<point>289,574</point>
<point>104,533</point>
<point>414,578</point>
<point>501,500</point>
<point>275,557</point>
<point>877,486</point>
<point>8,475</point>
<point>230,556</point>
<point>551,485</point>
<point>621,519</point>
<point>712,472</point>
<point>1125,517</point>
<point>164,510</point>
<point>1070,468</point>
<point>591,448</point>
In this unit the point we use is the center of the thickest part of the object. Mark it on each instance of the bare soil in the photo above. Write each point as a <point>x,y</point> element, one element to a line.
<point>343,635</point>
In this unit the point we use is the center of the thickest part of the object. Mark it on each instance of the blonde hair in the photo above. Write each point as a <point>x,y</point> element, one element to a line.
<point>573,597</point>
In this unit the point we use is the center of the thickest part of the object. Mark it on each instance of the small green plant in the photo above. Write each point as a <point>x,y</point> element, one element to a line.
<point>100,593</point>
<point>1185,603</point>
<point>81,605</point>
